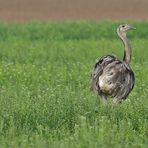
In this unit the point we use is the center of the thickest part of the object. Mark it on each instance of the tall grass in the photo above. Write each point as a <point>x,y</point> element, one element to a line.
<point>45,99</point>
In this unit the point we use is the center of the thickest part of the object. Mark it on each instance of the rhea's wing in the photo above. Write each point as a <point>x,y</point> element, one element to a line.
<point>123,81</point>
<point>98,70</point>
<point>129,83</point>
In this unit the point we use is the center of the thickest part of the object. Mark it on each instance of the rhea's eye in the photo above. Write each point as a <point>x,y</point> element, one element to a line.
<point>123,26</point>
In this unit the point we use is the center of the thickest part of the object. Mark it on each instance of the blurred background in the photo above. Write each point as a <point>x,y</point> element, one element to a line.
<point>28,10</point>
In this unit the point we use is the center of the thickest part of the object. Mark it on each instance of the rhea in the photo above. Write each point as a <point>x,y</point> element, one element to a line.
<point>114,77</point>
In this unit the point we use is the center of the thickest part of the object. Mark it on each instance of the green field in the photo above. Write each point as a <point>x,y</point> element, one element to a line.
<point>45,100</point>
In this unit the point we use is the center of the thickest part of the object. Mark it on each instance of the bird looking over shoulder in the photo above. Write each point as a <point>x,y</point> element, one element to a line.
<point>114,77</point>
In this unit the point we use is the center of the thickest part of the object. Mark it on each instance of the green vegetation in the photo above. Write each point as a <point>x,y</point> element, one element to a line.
<point>45,99</point>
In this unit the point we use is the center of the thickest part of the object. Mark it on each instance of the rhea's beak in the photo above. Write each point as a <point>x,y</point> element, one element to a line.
<point>131,27</point>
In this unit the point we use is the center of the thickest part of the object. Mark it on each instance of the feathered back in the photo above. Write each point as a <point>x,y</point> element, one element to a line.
<point>113,77</point>
<point>98,70</point>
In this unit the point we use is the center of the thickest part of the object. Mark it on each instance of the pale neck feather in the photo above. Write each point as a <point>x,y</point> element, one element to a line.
<point>127,48</point>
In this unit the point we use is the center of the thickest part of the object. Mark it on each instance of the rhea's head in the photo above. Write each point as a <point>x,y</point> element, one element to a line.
<point>124,28</point>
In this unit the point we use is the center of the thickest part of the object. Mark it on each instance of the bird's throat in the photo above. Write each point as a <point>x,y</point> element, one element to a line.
<point>127,48</point>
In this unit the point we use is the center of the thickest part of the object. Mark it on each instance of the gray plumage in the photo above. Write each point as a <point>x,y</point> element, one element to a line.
<point>114,77</point>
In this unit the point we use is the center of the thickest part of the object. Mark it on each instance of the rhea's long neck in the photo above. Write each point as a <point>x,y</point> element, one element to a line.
<point>127,48</point>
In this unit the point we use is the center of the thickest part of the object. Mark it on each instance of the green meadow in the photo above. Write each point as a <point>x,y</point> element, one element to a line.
<point>45,99</point>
